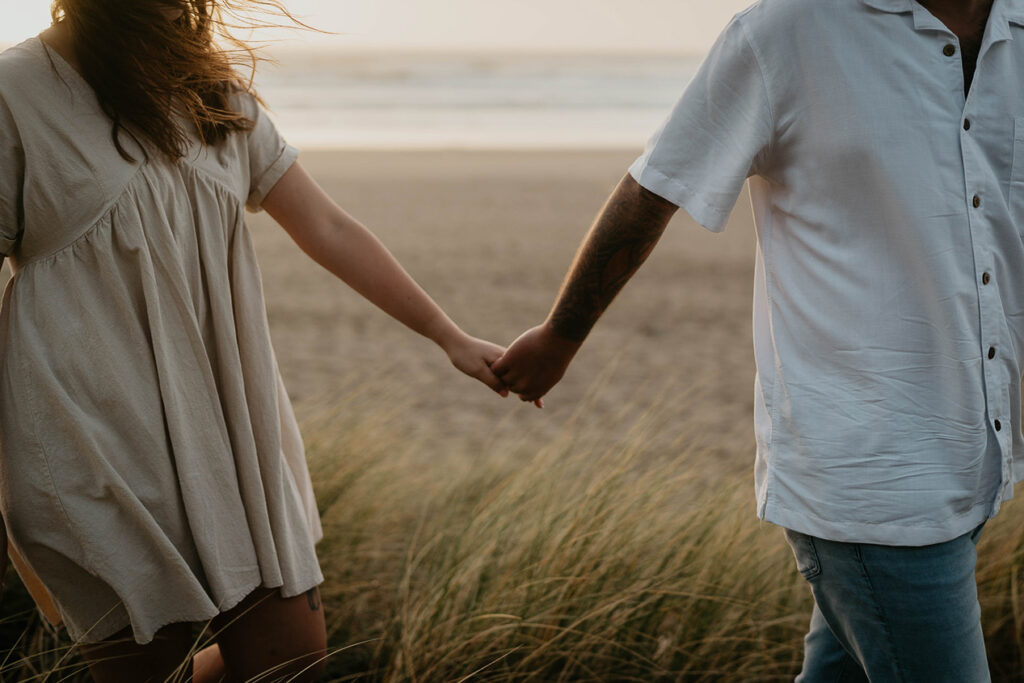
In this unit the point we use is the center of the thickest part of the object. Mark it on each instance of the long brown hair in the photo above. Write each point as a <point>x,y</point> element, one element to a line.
<point>154,74</point>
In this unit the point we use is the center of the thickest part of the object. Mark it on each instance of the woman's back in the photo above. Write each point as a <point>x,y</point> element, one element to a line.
<point>139,392</point>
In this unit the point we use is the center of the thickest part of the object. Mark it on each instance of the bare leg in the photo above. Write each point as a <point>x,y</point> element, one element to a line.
<point>208,666</point>
<point>119,658</point>
<point>267,632</point>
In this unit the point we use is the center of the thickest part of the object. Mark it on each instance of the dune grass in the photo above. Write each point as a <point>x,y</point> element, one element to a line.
<point>590,560</point>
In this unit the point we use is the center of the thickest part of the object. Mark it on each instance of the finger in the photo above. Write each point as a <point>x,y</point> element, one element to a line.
<point>511,378</point>
<point>501,365</point>
<point>531,395</point>
<point>517,385</point>
<point>490,379</point>
<point>493,352</point>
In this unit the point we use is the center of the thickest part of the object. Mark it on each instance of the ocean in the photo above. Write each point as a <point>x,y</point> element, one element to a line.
<point>437,101</point>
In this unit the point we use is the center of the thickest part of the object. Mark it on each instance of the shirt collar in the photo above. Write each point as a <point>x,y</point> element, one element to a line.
<point>1005,12</point>
<point>897,6</point>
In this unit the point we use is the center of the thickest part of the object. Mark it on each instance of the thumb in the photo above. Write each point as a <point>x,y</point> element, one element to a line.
<point>485,375</point>
<point>500,366</point>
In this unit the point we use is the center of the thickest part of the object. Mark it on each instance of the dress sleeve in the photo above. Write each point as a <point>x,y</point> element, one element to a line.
<point>12,181</point>
<point>269,155</point>
<point>714,137</point>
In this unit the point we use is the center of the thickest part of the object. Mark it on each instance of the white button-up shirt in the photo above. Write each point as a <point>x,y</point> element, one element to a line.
<point>889,280</point>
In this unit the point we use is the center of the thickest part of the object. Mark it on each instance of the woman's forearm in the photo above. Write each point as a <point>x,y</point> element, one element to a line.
<point>355,255</point>
<point>342,245</point>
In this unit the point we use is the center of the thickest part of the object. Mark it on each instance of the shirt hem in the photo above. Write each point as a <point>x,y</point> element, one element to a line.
<point>878,533</point>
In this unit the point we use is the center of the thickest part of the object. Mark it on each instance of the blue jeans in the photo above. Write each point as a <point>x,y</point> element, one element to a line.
<point>892,613</point>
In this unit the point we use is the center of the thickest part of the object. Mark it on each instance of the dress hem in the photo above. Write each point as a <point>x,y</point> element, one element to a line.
<point>229,604</point>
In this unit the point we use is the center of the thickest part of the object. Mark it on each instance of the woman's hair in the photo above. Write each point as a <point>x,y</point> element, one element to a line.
<point>156,67</point>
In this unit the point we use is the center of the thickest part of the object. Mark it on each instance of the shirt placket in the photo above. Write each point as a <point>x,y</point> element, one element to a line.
<point>993,345</point>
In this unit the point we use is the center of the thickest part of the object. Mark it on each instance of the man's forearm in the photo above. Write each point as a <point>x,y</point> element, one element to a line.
<point>622,237</point>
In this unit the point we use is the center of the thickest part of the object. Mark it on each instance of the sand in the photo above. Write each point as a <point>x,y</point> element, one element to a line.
<point>490,236</point>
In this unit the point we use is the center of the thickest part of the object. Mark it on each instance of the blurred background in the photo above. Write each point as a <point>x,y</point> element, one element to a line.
<point>466,74</point>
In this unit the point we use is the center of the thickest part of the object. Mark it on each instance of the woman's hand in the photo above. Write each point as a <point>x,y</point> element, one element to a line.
<point>474,357</point>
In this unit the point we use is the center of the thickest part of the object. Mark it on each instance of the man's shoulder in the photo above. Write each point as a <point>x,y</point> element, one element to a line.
<point>785,21</point>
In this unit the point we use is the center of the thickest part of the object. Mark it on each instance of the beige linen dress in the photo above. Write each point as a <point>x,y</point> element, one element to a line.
<point>151,470</point>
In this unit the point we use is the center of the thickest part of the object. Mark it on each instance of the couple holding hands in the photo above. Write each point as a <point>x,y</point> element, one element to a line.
<point>151,471</point>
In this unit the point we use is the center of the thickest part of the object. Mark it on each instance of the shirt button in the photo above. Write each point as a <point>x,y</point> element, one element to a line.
<point>986,278</point>
<point>976,201</point>
<point>967,124</point>
<point>949,50</point>
<point>998,425</point>
<point>991,352</point>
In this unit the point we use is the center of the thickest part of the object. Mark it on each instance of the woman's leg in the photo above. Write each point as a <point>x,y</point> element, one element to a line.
<point>208,665</point>
<point>119,659</point>
<point>267,632</point>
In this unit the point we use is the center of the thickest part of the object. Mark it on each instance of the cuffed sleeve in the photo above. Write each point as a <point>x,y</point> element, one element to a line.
<point>269,155</point>
<point>715,134</point>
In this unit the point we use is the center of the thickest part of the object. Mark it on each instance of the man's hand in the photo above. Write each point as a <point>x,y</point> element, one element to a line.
<point>535,362</point>
<point>621,238</point>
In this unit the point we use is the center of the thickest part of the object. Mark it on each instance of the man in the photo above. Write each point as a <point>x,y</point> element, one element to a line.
<point>884,142</point>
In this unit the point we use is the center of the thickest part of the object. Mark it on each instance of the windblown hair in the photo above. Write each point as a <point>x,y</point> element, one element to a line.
<point>154,75</point>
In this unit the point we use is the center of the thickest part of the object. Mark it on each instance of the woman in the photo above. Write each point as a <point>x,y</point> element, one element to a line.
<point>151,474</point>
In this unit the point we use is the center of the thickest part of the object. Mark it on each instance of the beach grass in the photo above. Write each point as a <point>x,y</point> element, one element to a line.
<point>589,560</point>
<point>609,537</point>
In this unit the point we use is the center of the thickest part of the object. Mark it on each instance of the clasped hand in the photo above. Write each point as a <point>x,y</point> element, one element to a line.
<point>535,362</point>
<point>530,367</point>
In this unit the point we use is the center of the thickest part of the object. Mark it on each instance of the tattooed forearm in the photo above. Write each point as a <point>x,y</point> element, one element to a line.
<point>619,242</point>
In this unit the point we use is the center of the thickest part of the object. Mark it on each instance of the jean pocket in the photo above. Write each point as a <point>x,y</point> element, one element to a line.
<point>805,553</point>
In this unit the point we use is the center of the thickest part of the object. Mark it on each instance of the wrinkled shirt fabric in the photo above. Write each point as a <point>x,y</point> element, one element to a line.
<point>889,277</point>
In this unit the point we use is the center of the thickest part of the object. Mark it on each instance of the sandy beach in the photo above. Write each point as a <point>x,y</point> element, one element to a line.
<point>489,235</point>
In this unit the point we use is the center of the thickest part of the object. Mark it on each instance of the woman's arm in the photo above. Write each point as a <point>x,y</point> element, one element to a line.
<point>339,243</point>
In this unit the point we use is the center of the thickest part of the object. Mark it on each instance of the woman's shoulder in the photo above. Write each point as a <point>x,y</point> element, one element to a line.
<point>22,63</point>
<point>243,101</point>
<point>26,74</point>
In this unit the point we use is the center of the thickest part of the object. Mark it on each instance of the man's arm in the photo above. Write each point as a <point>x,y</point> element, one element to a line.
<point>624,234</point>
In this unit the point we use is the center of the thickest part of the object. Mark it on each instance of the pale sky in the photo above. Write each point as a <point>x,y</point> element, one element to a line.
<point>504,25</point>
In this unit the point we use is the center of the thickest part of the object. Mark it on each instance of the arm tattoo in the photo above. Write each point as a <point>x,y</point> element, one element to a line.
<point>622,238</point>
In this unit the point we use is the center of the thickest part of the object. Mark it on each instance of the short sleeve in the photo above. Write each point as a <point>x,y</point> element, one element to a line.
<point>714,136</point>
<point>269,155</point>
<point>12,181</point>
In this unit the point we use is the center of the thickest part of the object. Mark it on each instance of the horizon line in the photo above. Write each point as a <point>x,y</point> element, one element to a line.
<point>288,47</point>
